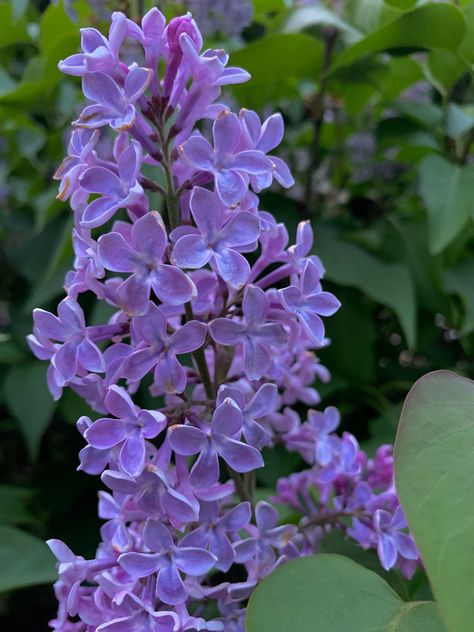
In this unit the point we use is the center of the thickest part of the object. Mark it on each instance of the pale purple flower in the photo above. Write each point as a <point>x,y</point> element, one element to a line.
<point>167,560</point>
<point>117,190</point>
<point>229,166</point>
<point>260,405</point>
<point>264,138</point>
<point>269,536</point>
<point>143,257</point>
<point>114,106</point>
<point>81,155</point>
<point>221,439</point>
<point>324,424</point>
<point>99,53</point>
<point>159,350</point>
<point>309,302</point>
<point>212,532</point>
<point>66,340</point>
<point>219,239</point>
<point>130,429</point>
<point>258,337</point>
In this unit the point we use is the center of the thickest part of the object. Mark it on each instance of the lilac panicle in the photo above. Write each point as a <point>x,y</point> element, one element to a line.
<point>203,326</point>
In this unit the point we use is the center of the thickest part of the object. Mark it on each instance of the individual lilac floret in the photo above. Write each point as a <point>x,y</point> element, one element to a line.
<point>228,165</point>
<point>309,302</point>
<point>159,350</point>
<point>77,353</point>
<point>268,537</point>
<point>167,560</point>
<point>388,534</point>
<point>81,155</point>
<point>114,106</point>
<point>256,335</point>
<point>213,531</point>
<point>130,429</point>
<point>218,240</point>
<point>222,439</point>
<point>99,53</point>
<point>324,424</point>
<point>264,138</point>
<point>117,191</point>
<point>262,404</point>
<point>143,257</point>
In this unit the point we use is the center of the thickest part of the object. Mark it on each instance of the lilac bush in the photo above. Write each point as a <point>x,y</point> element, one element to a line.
<point>219,317</point>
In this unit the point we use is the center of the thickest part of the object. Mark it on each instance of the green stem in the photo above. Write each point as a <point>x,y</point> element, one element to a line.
<point>239,485</point>
<point>200,360</point>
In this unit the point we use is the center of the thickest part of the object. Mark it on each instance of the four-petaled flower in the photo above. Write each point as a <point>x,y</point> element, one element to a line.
<point>130,429</point>
<point>309,302</point>
<point>76,355</point>
<point>222,439</point>
<point>220,238</point>
<point>117,191</point>
<point>157,349</point>
<point>167,560</point>
<point>143,257</point>
<point>268,537</point>
<point>114,106</point>
<point>229,166</point>
<point>213,529</point>
<point>257,336</point>
<point>261,404</point>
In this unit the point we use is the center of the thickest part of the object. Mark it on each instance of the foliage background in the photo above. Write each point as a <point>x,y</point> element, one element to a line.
<point>377,97</point>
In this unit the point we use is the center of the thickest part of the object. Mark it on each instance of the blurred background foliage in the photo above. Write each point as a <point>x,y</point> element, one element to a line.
<point>377,97</point>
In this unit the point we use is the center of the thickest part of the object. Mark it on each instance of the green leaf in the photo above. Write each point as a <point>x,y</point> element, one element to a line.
<point>387,283</point>
<point>435,477</point>
<point>24,560</point>
<point>12,29</point>
<point>13,505</point>
<point>55,26</point>
<point>277,64</point>
<point>30,401</point>
<point>304,18</point>
<point>448,193</point>
<point>401,4</point>
<point>331,593</point>
<point>458,121</point>
<point>422,28</point>
<point>459,280</point>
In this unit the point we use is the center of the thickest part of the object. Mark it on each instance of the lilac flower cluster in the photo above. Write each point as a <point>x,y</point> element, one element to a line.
<point>199,321</point>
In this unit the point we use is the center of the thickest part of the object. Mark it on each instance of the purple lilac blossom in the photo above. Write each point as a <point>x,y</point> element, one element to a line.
<point>201,325</point>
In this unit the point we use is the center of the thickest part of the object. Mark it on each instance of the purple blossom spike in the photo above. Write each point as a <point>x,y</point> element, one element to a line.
<point>173,512</point>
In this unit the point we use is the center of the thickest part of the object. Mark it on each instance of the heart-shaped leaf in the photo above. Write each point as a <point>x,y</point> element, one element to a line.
<point>434,471</point>
<point>331,593</point>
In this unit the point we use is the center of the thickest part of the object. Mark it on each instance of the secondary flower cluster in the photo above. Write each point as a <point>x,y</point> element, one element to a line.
<point>217,316</point>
